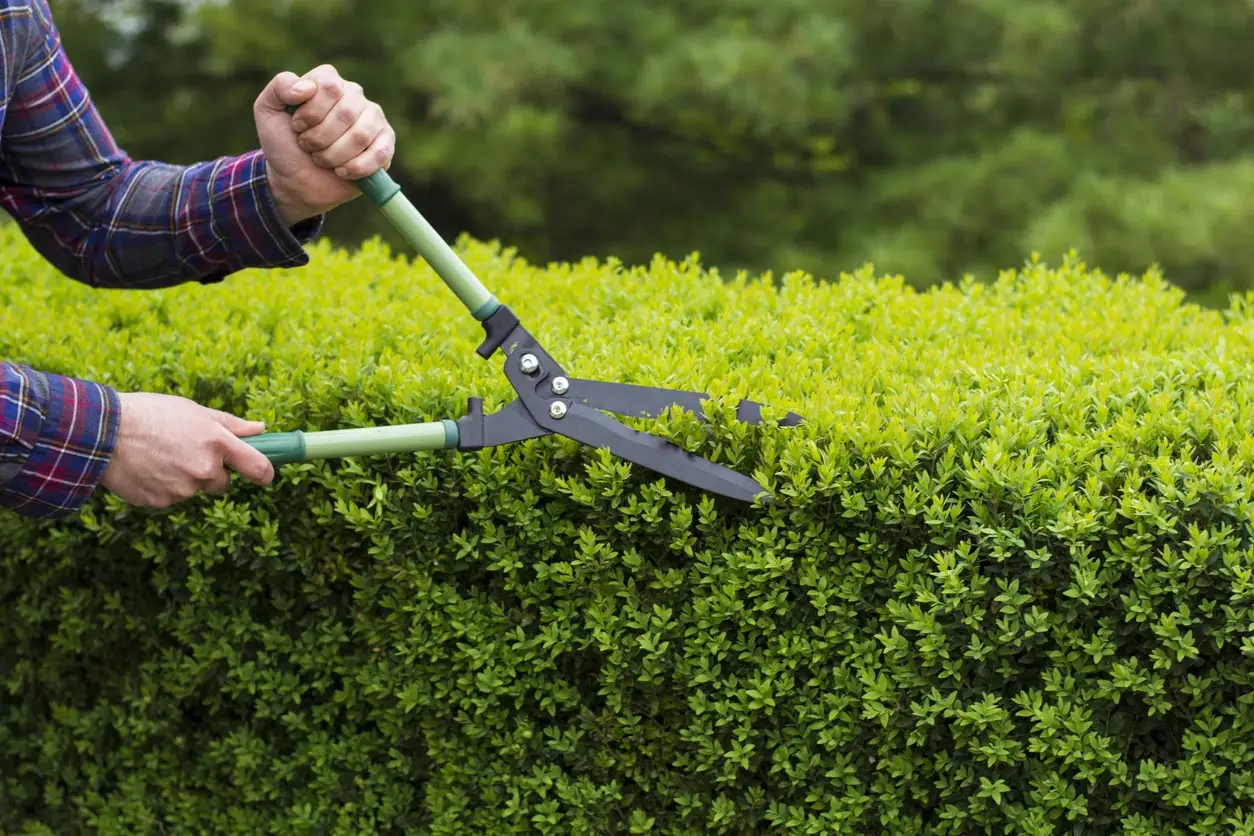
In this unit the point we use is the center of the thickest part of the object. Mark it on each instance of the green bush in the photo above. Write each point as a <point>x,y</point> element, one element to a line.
<point>1006,587</point>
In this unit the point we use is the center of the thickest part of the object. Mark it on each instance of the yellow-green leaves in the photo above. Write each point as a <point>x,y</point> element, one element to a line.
<point>1007,585</point>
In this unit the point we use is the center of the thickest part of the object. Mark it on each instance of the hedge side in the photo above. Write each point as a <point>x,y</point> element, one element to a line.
<point>1006,588</point>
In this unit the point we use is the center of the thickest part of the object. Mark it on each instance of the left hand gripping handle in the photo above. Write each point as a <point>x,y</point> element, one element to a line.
<point>279,448</point>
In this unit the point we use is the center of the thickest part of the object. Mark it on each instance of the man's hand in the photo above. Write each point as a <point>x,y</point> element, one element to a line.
<point>335,136</point>
<point>170,448</point>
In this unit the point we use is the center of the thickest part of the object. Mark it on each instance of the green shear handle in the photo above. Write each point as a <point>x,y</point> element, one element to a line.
<point>300,446</point>
<point>284,447</point>
<point>387,197</point>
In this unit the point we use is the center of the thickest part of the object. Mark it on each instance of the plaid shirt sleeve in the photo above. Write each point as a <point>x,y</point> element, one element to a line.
<point>56,434</point>
<point>108,221</point>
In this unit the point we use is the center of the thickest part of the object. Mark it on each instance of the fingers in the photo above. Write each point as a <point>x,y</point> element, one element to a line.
<point>247,461</point>
<point>331,92</point>
<point>363,148</point>
<point>235,424</point>
<point>211,474</point>
<point>207,475</point>
<point>345,124</point>
<point>235,454</point>
<point>342,129</point>
<point>377,156</point>
<point>217,482</point>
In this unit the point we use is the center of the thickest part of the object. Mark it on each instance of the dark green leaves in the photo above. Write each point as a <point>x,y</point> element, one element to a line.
<point>1007,586</point>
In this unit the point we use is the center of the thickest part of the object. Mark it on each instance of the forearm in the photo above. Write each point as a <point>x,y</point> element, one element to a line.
<point>56,437</point>
<point>109,221</point>
<point>150,224</point>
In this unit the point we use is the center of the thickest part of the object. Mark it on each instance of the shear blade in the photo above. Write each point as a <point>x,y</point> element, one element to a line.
<point>650,401</point>
<point>590,427</point>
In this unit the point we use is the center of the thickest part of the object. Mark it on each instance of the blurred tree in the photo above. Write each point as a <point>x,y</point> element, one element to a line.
<point>931,138</point>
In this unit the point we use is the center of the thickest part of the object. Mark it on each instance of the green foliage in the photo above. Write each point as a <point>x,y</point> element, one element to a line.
<point>1007,588</point>
<point>1196,222</point>
<point>931,139</point>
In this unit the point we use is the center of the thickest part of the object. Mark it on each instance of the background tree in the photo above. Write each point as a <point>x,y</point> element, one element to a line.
<point>930,138</point>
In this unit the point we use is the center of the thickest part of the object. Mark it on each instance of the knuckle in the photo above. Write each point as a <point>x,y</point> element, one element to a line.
<point>361,134</point>
<point>207,470</point>
<point>333,85</point>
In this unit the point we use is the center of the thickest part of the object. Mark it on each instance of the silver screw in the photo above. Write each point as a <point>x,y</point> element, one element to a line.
<point>560,385</point>
<point>557,409</point>
<point>529,363</point>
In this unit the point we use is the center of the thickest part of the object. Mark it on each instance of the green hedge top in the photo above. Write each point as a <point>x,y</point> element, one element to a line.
<point>1005,588</point>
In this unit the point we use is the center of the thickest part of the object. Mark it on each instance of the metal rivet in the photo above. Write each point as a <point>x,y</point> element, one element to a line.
<point>529,363</point>
<point>560,385</point>
<point>557,409</point>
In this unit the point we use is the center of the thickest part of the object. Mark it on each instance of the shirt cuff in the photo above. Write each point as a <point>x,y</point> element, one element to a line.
<point>61,435</point>
<point>248,220</point>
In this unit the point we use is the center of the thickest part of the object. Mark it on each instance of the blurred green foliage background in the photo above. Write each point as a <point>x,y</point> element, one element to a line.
<point>931,138</point>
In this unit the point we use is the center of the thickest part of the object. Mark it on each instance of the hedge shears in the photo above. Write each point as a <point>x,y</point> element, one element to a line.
<point>549,400</point>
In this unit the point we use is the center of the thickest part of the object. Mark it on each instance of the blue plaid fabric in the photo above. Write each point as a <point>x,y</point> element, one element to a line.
<point>108,221</point>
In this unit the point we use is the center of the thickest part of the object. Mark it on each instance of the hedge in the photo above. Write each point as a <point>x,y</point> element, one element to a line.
<point>1005,587</point>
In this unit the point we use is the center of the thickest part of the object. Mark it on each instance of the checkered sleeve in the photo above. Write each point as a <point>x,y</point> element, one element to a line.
<point>109,221</point>
<point>56,434</point>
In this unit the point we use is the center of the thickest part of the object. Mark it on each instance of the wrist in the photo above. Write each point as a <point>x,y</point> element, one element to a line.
<point>290,210</point>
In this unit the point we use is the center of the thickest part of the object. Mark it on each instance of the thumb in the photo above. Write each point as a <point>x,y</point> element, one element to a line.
<point>285,89</point>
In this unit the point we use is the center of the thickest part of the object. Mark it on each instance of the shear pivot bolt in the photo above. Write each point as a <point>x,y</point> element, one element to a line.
<point>560,385</point>
<point>529,363</point>
<point>557,409</point>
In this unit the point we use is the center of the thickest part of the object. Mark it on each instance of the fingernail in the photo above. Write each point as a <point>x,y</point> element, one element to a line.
<point>341,172</point>
<point>303,86</point>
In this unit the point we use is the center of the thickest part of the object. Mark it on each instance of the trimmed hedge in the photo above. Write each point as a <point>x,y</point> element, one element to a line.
<point>1006,587</point>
